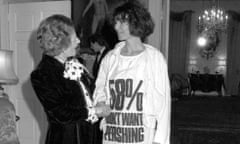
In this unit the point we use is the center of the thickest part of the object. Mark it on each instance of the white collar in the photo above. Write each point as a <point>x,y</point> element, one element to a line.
<point>102,50</point>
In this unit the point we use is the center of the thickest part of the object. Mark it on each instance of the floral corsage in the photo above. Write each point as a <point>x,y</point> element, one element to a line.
<point>73,71</point>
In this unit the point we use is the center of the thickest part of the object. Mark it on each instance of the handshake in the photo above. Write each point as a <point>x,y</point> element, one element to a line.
<point>102,109</point>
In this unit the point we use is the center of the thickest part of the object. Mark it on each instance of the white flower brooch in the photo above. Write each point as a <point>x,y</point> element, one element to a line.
<point>73,71</point>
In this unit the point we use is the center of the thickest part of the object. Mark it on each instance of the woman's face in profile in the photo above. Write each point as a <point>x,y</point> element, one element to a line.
<point>74,42</point>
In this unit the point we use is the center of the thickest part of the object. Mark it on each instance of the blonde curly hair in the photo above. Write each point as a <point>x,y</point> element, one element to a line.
<point>54,34</point>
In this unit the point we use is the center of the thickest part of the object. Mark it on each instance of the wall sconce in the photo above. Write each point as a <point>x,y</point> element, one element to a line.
<point>192,61</point>
<point>222,62</point>
<point>221,66</point>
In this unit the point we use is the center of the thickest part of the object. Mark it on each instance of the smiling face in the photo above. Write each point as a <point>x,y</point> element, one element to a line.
<point>122,29</point>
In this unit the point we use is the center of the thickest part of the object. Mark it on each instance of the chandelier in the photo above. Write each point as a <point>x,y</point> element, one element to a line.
<point>212,19</point>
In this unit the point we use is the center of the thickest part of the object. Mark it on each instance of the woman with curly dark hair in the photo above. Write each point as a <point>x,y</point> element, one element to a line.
<point>133,80</point>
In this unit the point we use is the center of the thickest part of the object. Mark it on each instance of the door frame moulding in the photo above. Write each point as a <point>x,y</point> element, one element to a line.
<point>4,24</point>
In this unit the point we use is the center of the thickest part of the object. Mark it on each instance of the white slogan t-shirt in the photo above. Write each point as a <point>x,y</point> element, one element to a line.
<point>125,124</point>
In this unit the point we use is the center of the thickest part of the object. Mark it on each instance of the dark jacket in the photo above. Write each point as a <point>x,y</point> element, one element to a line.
<point>63,102</point>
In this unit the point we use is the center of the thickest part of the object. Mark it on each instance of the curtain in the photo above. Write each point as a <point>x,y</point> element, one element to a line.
<point>179,41</point>
<point>233,53</point>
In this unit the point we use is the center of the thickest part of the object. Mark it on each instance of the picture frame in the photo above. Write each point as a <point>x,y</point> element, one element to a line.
<point>94,16</point>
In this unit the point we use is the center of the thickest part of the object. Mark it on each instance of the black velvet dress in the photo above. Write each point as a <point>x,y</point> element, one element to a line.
<point>63,102</point>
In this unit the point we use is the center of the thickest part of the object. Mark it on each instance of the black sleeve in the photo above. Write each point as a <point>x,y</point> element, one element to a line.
<point>62,107</point>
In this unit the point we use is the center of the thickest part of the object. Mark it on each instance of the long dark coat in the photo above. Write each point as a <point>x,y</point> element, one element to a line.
<point>63,102</point>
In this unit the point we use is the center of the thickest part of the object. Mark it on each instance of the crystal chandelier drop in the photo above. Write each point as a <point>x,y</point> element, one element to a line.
<point>213,19</point>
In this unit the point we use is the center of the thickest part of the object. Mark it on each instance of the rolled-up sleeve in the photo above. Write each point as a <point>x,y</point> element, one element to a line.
<point>100,94</point>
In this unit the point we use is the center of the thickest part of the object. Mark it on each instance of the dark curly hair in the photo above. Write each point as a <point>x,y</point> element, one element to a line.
<point>54,34</point>
<point>140,21</point>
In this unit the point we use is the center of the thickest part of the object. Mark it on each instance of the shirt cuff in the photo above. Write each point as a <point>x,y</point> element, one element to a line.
<point>92,117</point>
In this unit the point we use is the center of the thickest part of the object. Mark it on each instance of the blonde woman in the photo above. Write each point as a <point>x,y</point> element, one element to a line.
<point>63,99</point>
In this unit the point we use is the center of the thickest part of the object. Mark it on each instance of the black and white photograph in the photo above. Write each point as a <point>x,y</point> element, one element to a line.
<point>119,71</point>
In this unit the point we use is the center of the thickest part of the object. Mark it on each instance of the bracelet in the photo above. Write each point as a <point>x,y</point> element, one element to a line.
<point>92,117</point>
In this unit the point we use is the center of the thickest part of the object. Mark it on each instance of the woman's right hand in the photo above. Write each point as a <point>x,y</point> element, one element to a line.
<point>102,110</point>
